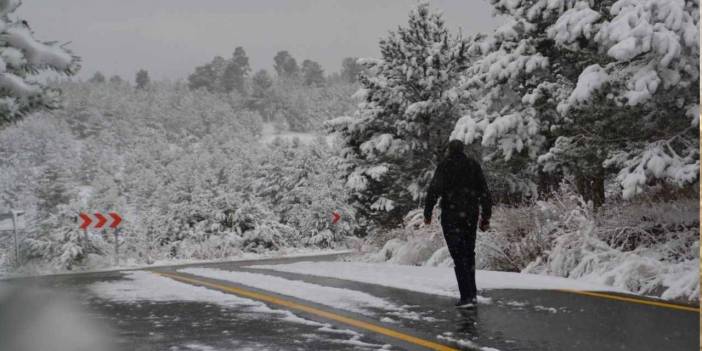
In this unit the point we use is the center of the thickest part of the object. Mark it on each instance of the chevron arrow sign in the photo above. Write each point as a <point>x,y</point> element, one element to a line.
<point>99,220</point>
<point>335,217</point>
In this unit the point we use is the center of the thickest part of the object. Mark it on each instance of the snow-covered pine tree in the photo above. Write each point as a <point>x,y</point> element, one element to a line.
<point>142,79</point>
<point>261,87</point>
<point>301,186</point>
<point>116,79</point>
<point>350,69</point>
<point>318,193</point>
<point>401,127</point>
<point>312,73</point>
<point>236,72</point>
<point>641,103</point>
<point>591,88</point>
<point>285,65</point>
<point>97,78</point>
<point>203,77</point>
<point>517,62</point>
<point>21,57</point>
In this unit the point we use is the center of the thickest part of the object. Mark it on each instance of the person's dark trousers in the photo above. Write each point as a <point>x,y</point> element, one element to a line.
<point>459,232</point>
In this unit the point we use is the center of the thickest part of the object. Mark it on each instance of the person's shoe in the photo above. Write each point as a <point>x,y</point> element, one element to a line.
<point>467,303</point>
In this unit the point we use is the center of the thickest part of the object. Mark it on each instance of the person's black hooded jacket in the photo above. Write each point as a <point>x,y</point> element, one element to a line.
<point>460,183</point>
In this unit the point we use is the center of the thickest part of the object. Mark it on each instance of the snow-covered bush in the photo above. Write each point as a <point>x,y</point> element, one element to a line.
<point>251,216</point>
<point>59,242</point>
<point>210,247</point>
<point>260,231</point>
<point>413,244</point>
<point>300,183</point>
<point>518,235</point>
<point>649,246</point>
<point>269,236</point>
<point>646,248</point>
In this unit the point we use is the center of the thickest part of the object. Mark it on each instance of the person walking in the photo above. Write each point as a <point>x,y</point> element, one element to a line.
<point>465,205</point>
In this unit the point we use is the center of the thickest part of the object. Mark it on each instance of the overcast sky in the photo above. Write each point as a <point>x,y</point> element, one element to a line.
<point>170,37</point>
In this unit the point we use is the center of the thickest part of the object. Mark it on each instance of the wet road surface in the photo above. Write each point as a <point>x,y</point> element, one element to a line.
<point>514,320</point>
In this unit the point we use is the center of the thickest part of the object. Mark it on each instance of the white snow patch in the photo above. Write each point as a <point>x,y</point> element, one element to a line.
<point>431,280</point>
<point>547,309</point>
<point>590,80</point>
<point>147,286</point>
<point>199,347</point>
<point>387,320</point>
<point>516,304</point>
<point>464,344</point>
<point>350,300</point>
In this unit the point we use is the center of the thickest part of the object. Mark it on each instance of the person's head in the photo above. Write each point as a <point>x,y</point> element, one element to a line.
<point>455,146</point>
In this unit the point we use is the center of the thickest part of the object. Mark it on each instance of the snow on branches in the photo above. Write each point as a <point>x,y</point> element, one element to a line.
<point>21,56</point>
<point>409,104</point>
<point>613,83</point>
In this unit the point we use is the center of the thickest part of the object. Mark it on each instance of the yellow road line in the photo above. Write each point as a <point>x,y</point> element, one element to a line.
<point>316,311</point>
<point>634,300</point>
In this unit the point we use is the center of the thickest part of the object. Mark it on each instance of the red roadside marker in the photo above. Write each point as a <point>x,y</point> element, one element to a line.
<point>101,220</point>
<point>86,220</point>
<point>335,217</point>
<point>116,219</point>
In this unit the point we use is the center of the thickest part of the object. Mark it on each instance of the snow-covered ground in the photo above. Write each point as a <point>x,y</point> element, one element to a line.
<point>430,280</point>
<point>244,256</point>
<point>346,299</point>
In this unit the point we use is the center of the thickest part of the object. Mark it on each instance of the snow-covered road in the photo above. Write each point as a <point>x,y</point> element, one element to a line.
<point>315,303</point>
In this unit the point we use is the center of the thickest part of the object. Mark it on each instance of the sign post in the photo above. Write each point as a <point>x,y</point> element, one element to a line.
<point>116,247</point>
<point>14,221</point>
<point>14,234</point>
<point>101,221</point>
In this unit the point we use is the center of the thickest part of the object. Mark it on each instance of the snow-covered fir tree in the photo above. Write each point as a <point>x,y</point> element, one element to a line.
<point>312,73</point>
<point>142,79</point>
<point>300,184</point>
<point>97,78</point>
<point>401,128</point>
<point>203,77</point>
<point>22,56</point>
<point>285,65</point>
<point>236,72</point>
<point>591,88</point>
<point>350,69</point>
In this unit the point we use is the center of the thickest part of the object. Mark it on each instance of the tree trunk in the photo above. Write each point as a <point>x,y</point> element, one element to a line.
<point>547,183</point>
<point>591,187</point>
<point>598,189</point>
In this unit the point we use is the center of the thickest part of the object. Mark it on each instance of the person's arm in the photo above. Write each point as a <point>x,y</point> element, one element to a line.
<point>436,188</point>
<point>485,199</point>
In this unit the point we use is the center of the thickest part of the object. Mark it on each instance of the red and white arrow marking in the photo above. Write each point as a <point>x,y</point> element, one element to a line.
<point>86,220</point>
<point>116,220</point>
<point>101,220</point>
<point>335,217</point>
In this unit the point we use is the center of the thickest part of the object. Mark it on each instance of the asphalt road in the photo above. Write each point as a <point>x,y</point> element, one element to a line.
<point>515,320</point>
